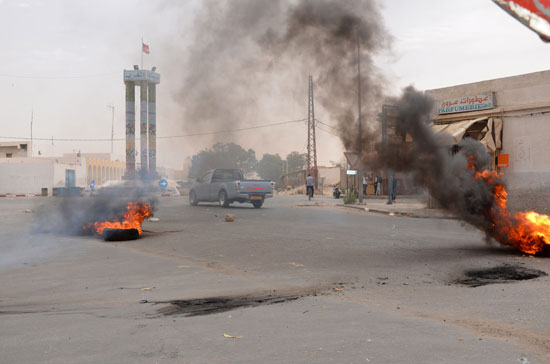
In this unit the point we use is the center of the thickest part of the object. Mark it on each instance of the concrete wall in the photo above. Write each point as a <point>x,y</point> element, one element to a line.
<point>30,175</point>
<point>20,177</point>
<point>519,102</point>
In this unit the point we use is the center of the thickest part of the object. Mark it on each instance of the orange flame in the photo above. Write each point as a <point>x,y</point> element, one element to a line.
<point>135,213</point>
<point>526,231</point>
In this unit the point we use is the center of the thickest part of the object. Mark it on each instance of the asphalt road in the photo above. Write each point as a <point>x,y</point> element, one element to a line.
<point>322,284</point>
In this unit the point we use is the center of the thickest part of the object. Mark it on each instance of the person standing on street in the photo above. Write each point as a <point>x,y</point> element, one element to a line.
<point>365,184</point>
<point>378,185</point>
<point>310,186</point>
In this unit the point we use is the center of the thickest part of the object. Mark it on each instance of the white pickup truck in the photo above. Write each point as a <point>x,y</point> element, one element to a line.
<point>227,186</point>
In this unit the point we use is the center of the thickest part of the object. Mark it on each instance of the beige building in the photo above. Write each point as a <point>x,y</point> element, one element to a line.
<point>100,168</point>
<point>511,117</point>
<point>15,149</point>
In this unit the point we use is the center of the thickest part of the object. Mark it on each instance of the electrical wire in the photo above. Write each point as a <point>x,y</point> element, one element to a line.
<point>326,131</point>
<point>330,126</point>
<point>158,137</point>
<point>59,77</point>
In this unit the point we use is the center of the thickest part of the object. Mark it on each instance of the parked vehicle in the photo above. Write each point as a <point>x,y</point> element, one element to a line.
<point>227,186</point>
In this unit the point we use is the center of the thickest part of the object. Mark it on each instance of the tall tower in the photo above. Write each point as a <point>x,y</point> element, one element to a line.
<point>311,144</point>
<point>147,81</point>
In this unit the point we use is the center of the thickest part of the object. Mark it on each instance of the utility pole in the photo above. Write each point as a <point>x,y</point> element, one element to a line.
<point>311,144</point>
<point>359,126</point>
<point>112,107</point>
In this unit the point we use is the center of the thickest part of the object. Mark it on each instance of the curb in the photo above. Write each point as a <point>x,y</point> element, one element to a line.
<point>399,213</point>
<point>10,195</point>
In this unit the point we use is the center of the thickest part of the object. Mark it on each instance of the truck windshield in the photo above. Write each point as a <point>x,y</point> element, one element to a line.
<point>228,174</point>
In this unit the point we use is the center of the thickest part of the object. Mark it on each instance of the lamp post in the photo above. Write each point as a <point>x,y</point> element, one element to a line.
<point>112,107</point>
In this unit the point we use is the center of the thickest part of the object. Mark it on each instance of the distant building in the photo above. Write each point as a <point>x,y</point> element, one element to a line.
<point>15,149</point>
<point>22,174</point>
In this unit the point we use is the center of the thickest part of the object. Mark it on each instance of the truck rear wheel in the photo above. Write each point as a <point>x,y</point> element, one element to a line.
<point>193,198</point>
<point>222,199</point>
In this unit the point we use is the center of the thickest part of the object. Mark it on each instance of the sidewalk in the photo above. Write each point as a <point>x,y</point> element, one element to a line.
<point>410,206</point>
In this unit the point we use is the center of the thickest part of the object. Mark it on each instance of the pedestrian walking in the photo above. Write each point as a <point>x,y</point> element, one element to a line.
<point>394,189</point>
<point>310,186</point>
<point>378,187</point>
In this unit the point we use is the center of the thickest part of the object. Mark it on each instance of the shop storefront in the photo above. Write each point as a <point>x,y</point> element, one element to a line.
<point>511,117</point>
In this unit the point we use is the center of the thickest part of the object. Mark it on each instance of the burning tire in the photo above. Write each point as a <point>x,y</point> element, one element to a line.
<point>120,234</point>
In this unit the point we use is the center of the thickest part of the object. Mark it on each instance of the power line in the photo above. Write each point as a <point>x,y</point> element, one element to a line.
<point>326,131</point>
<point>159,137</point>
<point>32,77</point>
<point>330,126</point>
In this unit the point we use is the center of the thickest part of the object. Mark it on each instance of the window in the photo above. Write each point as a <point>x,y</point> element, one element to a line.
<point>205,178</point>
<point>9,155</point>
<point>227,174</point>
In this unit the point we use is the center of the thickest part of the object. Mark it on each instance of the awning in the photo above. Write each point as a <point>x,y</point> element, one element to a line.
<point>488,131</point>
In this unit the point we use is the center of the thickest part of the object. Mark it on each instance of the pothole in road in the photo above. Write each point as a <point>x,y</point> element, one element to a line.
<point>212,305</point>
<point>500,274</point>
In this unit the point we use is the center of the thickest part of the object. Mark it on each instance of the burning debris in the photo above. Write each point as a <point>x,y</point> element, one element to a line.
<point>114,214</point>
<point>126,227</point>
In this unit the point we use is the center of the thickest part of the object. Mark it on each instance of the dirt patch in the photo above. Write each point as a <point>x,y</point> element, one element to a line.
<point>500,274</point>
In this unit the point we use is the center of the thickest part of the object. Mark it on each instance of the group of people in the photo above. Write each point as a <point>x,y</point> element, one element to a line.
<point>377,185</point>
<point>377,180</point>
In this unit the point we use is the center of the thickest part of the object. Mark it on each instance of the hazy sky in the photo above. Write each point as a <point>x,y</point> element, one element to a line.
<point>63,60</point>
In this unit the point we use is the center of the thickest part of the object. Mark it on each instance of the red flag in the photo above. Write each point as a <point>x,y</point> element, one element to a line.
<point>534,14</point>
<point>144,48</point>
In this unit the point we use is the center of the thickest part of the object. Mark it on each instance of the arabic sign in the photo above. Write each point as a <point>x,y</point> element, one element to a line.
<point>141,75</point>
<point>466,103</point>
<point>534,14</point>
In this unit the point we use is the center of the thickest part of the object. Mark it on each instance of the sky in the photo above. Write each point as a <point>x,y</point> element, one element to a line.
<point>62,63</point>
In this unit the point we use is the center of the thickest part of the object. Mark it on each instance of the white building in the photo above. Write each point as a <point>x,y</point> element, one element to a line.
<point>22,174</point>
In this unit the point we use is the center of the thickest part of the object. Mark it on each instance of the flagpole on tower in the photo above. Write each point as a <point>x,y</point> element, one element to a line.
<point>141,52</point>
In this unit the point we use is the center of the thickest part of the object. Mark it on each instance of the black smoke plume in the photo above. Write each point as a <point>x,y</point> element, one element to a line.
<point>449,174</point>
<point>247,52</point>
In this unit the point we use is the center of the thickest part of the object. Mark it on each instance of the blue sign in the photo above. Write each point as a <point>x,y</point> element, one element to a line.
<point>92,184</point>
<point>163,183</point>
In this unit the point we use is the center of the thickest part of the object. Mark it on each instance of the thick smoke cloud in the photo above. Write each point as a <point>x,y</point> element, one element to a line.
<point>448,174</point>
<point>246,52</point>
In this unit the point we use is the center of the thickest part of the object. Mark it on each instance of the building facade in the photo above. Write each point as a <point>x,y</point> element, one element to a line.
<point>510,116</point>
<point>20,174</point>
<point>15,149</point>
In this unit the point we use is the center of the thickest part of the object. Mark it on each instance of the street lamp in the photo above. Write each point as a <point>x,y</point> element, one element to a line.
<point>112,107</point>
